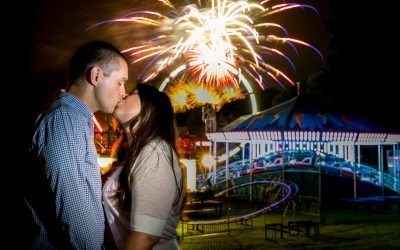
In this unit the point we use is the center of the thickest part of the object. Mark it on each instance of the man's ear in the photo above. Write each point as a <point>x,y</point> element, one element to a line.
<point>94,75</point>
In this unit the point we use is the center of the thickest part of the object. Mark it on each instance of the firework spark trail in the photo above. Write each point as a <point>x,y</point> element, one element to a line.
<point>215,40</point>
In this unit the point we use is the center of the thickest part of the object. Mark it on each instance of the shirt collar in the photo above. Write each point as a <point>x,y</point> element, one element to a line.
<point>75,102</point>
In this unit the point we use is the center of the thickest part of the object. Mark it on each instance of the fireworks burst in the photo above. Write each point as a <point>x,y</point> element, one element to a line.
<point>217,40</point>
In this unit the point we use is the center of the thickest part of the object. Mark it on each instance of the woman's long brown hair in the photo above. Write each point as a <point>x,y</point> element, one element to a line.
<point>156,119</point>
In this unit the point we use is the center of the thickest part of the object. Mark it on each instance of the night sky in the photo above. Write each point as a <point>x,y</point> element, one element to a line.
<point>362,71</point>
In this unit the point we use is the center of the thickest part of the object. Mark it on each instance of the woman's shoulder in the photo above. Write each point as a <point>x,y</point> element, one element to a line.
<point>160,148</point>
<point>157,144</point>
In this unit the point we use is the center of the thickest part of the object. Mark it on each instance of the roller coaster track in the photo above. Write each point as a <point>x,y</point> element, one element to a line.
<point>290,189</point>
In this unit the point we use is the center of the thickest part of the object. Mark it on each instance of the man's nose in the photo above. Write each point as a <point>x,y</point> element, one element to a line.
<point>122,91</point>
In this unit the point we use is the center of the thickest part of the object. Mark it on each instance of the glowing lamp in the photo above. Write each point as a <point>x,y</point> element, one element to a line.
<point>207,161</point>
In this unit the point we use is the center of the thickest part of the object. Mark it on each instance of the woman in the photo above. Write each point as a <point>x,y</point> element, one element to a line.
<point>144,197</point>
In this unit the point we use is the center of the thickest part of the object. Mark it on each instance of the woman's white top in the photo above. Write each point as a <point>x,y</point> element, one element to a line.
<point>155,210</point>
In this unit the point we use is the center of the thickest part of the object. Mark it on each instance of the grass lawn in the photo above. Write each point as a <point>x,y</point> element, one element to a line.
<point>339,229</point>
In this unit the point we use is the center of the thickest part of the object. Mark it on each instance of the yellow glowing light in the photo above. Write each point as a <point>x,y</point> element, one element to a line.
<point>186,96</point>
<point>190,174</point>
<point>207,160</point>
<point>105,164</point>
<point>179,98</point>
<point>203,95</point>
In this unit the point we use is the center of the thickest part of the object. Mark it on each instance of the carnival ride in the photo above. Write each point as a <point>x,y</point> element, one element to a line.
<point>304,160</point>
<point>282,192</point>
<point>269,182</point>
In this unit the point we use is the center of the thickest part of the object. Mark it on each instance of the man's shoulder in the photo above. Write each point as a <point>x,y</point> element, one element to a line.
<point>61,116</point>
<point>59,109</point>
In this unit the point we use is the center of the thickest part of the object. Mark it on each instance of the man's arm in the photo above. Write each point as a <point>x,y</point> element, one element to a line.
<point>65,149</point>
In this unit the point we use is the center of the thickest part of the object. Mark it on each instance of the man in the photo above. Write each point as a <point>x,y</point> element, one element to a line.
<point>62,191</point>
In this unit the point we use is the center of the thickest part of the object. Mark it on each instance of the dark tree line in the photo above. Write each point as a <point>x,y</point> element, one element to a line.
<point>359,74</point>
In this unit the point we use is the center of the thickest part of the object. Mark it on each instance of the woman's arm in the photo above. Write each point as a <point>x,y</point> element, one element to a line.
<point>153,194</point>
<point>140,241</point>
